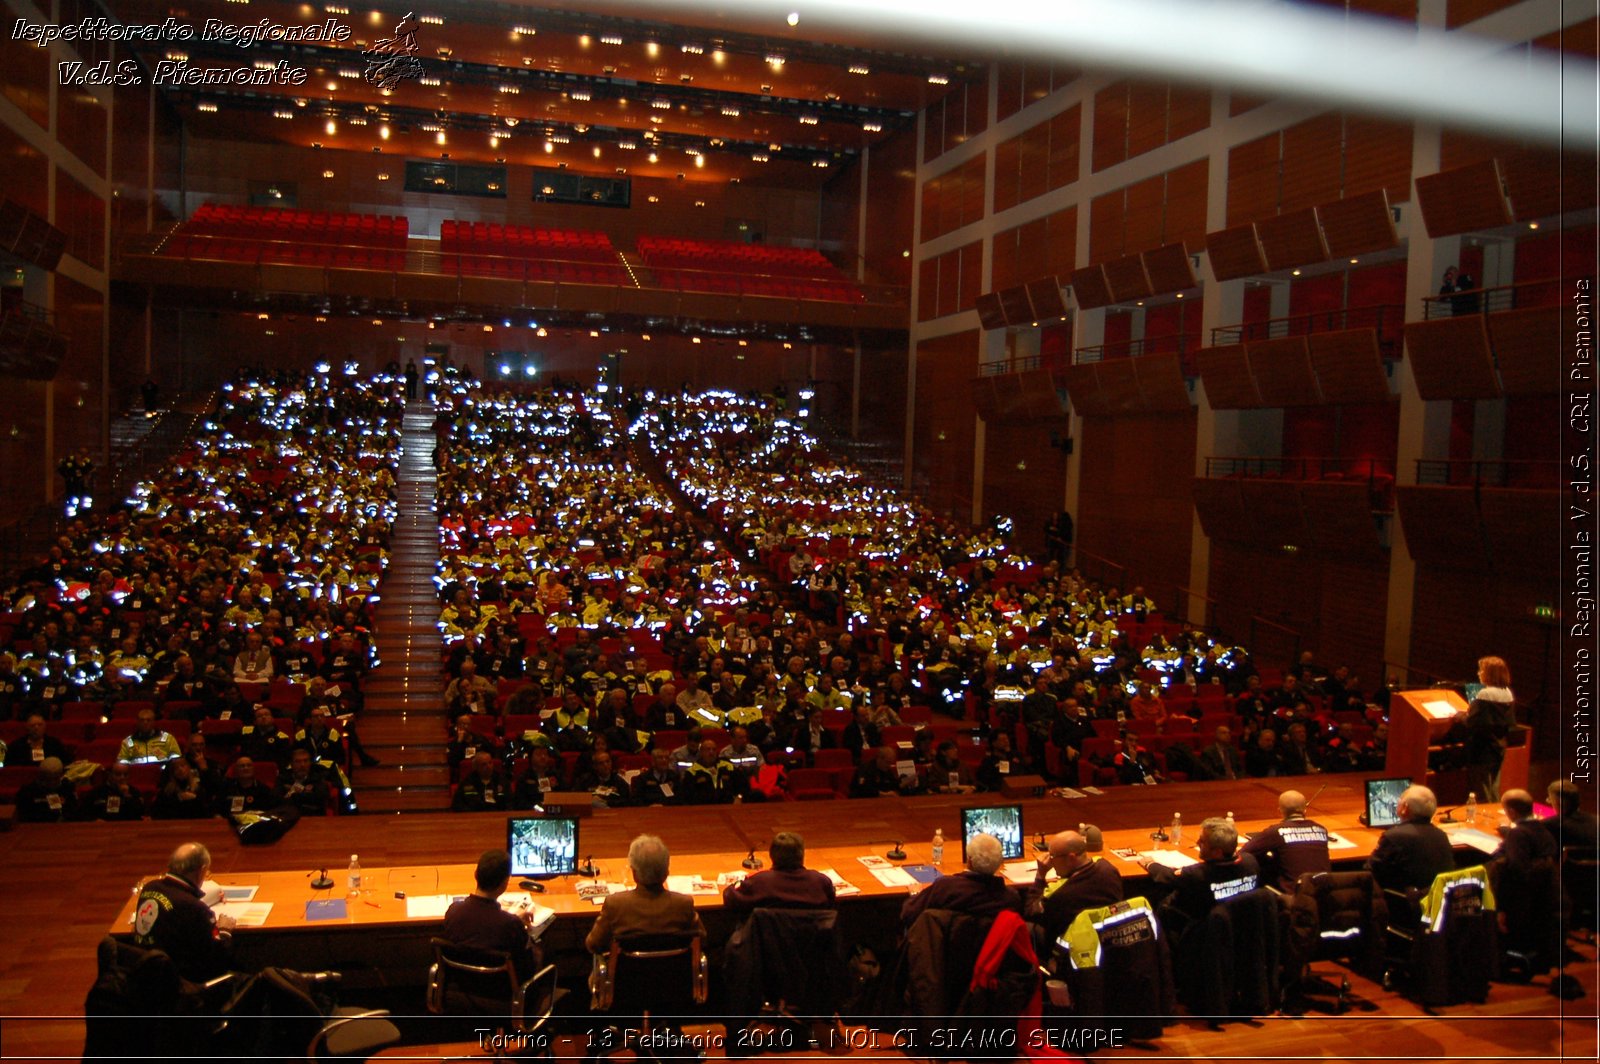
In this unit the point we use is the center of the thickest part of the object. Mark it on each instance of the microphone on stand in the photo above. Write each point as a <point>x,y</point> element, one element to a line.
<point>751,861</point>
<point>322,882</point>
<point>587,868</point>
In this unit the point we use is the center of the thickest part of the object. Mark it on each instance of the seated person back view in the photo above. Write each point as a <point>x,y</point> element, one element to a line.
<point>978,891</point>
<point>1570,826</point>
<point>1411,853</point>
<point>1222,873</point>
<point>649,908</point>
<point>788,884</point>
<point>478,922</point>
<point>169,916</point>
<point>1291,847</point>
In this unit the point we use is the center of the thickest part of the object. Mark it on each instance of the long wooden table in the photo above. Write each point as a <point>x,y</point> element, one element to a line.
<point>435,854</point>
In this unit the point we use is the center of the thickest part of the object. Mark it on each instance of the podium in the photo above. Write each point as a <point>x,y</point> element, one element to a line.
<point>1419,721</point>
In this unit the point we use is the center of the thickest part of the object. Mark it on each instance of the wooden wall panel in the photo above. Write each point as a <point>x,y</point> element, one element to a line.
<point>1254,180</point>
<point>1522,528</point>
<point>1236,252</point>
<point>1065,133</point>
<point>1110,128</point>
<point>27,173</point>
<point>1030,495</point>
<point>944,419</point>
<point>1061,242</point>
<point>1107,214</point>
<point>1460,201</point>
<point>81,317</point>
<point>1147,117</point>
<point>1135,504</point>
<point>1460,12</point>
<point>1311,151</point>
<point>1282,369</point>
<point>1339,521</point>
<point>1142,223</point>
<point>1527,348</point>
<point>1161,383</point>
<point>1348,366</point>
<point>1169,269</point>
<point>891,200</point>
<point>1186,204</point>
<point>1292,239</point>
<point>1090,288</point>
<point>26,75</point>
<point>1226,374</point>
<point>1442,526</point>
<point>1358,224</point>
<point>1275,518</point>
<point>1128,279</point>
<point>1450,358</point>
<point>1188,111</point>
<point>82,216</point>
<point>1377,157</point>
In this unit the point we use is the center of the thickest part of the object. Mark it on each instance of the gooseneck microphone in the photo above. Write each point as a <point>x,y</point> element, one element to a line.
<point>321,882</point>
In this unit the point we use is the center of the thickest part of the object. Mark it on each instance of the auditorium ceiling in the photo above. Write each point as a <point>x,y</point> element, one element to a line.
<point>601,91</point>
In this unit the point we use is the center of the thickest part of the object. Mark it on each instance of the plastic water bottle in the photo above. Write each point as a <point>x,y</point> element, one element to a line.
<point>1176,831</point>
<point>938,848</point>
<point>1231,824</point>
<point>354,876</point>
<point>1472,807</point>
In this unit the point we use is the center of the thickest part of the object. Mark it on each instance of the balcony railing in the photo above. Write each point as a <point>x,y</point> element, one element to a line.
<point>1010,365</point>
<point>1376,475</point>
<point>1386,319</point>
<point>1490,300</point>
<point>1173,343</point>
<point>625,271</point>
<point>1495,473</point>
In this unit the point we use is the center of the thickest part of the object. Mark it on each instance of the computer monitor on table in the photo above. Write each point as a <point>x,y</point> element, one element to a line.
<point>1004,822</point>
<point>542,846</point>
<point>1383,801</point>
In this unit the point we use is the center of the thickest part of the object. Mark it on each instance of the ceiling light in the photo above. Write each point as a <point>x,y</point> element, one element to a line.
<point>1294,273</point>
<point>775,61</point>
<point>594,333</point>
<point>808,120</point>
<point>548,147</point>
<point>439,138</point>
<point>654,199</point>
<point>209,108</point>
<point>432,83</point>
<point>332,128</point>
<point>661,105</point>
<point>761,157</point>
<point>652,49</point>
<point>718,56</point>
<point>610,39</point>
<point>1354,261</point>
<point>597,151</point>
<point>524,31</point>
<point>653,157</point>
<point>580,95</point>
<point>700,162</point>
<point>283,114</point>
<point>510,90</point>
<point>1533,225</point>
<point>692,49</point>
<point>383,177</point>
<point>858,69</point>
<point>938,79</point>
<point>542,331</point>
<point>730,112</point>
<point>327,173</point>
<point>694,339</point>
<point>430,20</point>
<point>699,203</point>
<point>872,127</point>
<point>793,19</point>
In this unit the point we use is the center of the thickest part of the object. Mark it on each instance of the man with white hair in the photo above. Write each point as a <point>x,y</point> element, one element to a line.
<point>170,916</point>
<point>1414,851</point>
<point>979,891</point>
<point>649,908</point>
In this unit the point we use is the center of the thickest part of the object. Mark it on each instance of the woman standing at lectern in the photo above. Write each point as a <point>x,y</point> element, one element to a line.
<point>1489,720</point>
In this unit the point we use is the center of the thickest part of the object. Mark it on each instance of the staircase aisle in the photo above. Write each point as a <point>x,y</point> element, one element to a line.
<point>403,722</point>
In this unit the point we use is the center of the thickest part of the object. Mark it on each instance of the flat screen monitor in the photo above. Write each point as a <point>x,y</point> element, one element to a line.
<point>542,845</point>
<point>1004,822</point>
<point>1383,801</point>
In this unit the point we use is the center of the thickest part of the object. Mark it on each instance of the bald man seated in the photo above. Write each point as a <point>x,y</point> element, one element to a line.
<point>1083,881</point>
<point>170,916</point>
<point>1291,847</point>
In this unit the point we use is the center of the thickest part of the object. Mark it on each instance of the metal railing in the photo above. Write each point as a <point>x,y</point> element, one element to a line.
<point>614,272</point>
<point>1172,343</point>
<point>1491,300</point>
<point>1489,473</point>
<point>1304,468</point>
<point>1385,319</point>
<point>1010,365</point>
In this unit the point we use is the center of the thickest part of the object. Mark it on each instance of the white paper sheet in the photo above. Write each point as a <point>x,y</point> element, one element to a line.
<point>427,906</point>
<point>893,877</point>
<point>1439,709</point>
<point>1170,858</point>
<point>1478,840</point>
<point>245,913</point>
<point>1021,872</point>
<point>842,887</point>
<point>690,885</point>
<point>1337,841</point>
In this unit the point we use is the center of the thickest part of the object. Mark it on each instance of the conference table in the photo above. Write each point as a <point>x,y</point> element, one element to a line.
<point>406,859</point>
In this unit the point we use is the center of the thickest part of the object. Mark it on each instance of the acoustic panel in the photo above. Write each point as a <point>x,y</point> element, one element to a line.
<point>1220,507</point>
<point>1348,366</point>
<point>1089,287</point>
<point>1542,184</point>
<point>1527,348</point>
<point>1169,269</point>
<point>984,398</point>
<point>1282,369</point>
<point>1127,278</point>
<point>1083,388</point>
<point>1514,518</point>
<point>1119,386</point>
<point>989,311</point>
<point>1450,358</point>
<point>1047,299</point>
<point>1018,310</point>
<point>1235,253</point>
<point>1274,509</point>
<point>1292,239</point>
<point>1225,372</point>
<point>1339,520</point>
<point>1162,384</point>
<point>1358,225</point>
<point>1036,397</point>
<point>1441,526</point>
<point>1463,200</point>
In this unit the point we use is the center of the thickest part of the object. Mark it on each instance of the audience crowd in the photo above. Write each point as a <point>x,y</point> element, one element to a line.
<point>201,650</point>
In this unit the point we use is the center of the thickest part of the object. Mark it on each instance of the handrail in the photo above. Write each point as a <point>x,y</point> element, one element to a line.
<point>1207,624</point>
<point>33,312</point>
<point>1107,565</point>
<point>471,263</point>
<point>1385,319</point>
<point>1258,621</point>
<point>1168,344</point>
<point>1490,300</point>
<point>1490,473</point>
<point>1010,365</point>
<point>1306,467</point>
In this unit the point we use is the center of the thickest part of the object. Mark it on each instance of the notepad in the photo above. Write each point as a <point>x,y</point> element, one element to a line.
<point>1021,872</point>
<point>1439,709</point>
<point>842,887</point>
<point>326,909</point>
<point>872,860</point>
<point>1478,840</point>
<point>428,906</point>
<point>1068,792</point>
<point>922,873</point>
<point>1337,841</point>
<point>691,885</point>
<point>239,893</point>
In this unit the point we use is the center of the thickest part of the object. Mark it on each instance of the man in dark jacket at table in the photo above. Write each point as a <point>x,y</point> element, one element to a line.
<point>1413,852</point>
<point>979,891</point>
<point>788,884</point>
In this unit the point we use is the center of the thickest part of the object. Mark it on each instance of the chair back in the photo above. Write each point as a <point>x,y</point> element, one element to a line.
<point>1453,957</point>
<point>787,957</point>
<point>1580,879</point>
<point>472,982</point>
<point>1345,913</point>
<point>660,974</point>
<point>1116,962</point>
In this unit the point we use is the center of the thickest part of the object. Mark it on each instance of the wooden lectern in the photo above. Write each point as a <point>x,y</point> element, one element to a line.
<point>1418,722</point>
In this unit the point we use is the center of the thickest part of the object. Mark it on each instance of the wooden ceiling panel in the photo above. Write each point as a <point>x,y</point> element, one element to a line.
<point>1169,269</point>
<point>1225,372</point>
<point>1358,225</point>
<point>1348,366</point>
<point>1463,200</point>
<point>1235,253</point>
<point>1119,384</point>
<point>1450,358</point>
<point>1282,369</point>
<point>1090,288</point>
<point>1127,278</point>
<point>1293,239</point>
<point>1527,349</point>
<point>1442,526</point>
<point>1083,388</point>
<point>1162,384</point>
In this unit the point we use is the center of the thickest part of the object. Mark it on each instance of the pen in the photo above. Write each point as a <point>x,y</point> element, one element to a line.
<point>374,904</point>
